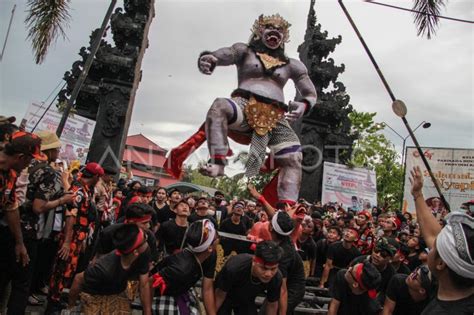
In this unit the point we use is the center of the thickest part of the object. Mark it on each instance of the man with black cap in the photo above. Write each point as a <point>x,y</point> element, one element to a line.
<point>15,156</point>
<point>202,206</point>
<point>353,290</point>
<point>291,265</point>
<point>178,273</point>
<point>451,255</point>
<point>103,284</point>
<point>381,255</point>
<point>79,216</point>
<point>409,294</point>
<point>245,276</point>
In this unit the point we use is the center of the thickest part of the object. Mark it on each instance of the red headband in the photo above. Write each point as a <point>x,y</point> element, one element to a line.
<point>145,218</point>
<point>260,260</point>
<point>138,242</point>
<point>372,292</point>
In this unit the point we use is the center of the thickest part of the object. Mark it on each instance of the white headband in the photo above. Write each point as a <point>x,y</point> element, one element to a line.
<point>453,246</point>
<point>277,227</point>
<point>212,234</point>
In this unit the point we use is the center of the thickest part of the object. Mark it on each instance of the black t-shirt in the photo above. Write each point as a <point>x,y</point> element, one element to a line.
<point>386,274</point>
<point>235,279</point>
<point>413,261</point>
<point>321,255</point>
<point>221,214</point>
<point>229,227</point>
<point>350,304</point>
<point>460,307</point>
<point>195,217</point>
<point>182,270</point>
<point>171,236</point>
<point>105,244</point>
<point>291,268</point>
<point>403,269</point>
<point>247,221</point>
<point>397,291</point>
<point>164,214</point>
<point>107,276</point>
<point>307,249</point>
<point>229,244</point>
<point>341,257</point>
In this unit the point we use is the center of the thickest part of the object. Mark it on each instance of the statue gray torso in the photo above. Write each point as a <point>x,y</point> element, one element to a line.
<point>252,77</point>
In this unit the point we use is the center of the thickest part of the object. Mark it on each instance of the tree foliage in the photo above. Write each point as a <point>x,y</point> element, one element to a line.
<point>231,186</point>
<point>373,150</point>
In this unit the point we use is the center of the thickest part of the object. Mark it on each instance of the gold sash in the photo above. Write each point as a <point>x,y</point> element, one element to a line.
<point>262,117</point>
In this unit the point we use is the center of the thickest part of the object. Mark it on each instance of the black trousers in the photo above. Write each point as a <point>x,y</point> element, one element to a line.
<point>10,270</point>
<point>47,249</point>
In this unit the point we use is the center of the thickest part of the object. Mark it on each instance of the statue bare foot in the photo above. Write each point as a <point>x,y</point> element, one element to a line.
<point>212,170</point>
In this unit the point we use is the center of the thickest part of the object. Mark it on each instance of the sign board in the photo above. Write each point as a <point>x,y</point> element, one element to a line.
<point>354,188</point>
<point>452,168</point>
<point>76,136</point>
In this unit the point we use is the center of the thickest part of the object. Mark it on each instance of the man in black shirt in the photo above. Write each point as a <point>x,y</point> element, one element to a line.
<point>137,213</point>
<point>171,233</point>
<point>178,273</point>
<point>202,206</point>
<point>451,255</point>
<point>353,290</point>
<point>340,254</point>
<point>103,283</point>
<point>381,255</point>
<point>409,294</point>
<point>220,205</point>
<point>162,208</point>
<point>291,265</point>
<point>307,247</point>
<point>398,260</point>
<point>334,235</point>
<point>244,276</point>
<point>234,225</point>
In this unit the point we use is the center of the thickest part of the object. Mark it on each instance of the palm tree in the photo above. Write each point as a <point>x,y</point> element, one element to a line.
<point>426,16</point>
<point>46,20</point>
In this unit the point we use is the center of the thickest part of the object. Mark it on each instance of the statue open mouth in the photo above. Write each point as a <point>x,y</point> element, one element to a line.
<point>273,38</point>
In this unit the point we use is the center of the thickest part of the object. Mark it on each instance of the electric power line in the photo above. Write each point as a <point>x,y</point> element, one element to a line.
<point>49,106</point>
<point>415,11</point>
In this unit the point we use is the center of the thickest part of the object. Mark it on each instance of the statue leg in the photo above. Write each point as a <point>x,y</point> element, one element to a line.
<point>221,113</point>
<point>286,149</point>
<point>289,178</point>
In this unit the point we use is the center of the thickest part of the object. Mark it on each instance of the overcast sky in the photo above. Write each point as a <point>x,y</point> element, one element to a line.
<point>433,77</point>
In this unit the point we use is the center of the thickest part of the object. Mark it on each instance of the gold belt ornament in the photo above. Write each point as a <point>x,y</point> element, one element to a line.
<point>262,117</point>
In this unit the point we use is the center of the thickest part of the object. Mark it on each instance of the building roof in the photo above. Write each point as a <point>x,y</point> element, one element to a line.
<point>141,141</point>
<point>164,181</point>
<point>143,174</point>
<point>144,158</point>
<point>185,187</point>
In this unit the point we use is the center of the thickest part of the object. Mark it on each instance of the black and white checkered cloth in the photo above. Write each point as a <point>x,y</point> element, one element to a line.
<point>167,305</point>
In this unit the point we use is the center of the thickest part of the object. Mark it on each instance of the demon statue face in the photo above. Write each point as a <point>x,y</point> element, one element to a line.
<point>271,30</point>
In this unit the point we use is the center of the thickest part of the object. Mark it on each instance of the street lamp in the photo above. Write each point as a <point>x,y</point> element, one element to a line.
<point>423,124</point>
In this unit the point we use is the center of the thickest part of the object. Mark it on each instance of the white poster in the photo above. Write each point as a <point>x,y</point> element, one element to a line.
<point>355,188</point>
<point>76,136</point>
<point>452,168</point>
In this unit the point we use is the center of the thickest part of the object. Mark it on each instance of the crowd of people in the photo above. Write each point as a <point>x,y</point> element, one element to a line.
<point>87,241</point>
